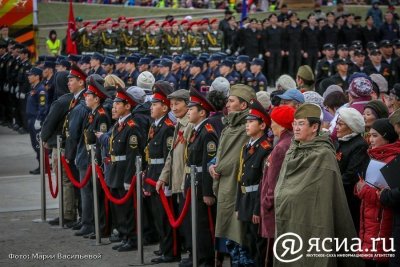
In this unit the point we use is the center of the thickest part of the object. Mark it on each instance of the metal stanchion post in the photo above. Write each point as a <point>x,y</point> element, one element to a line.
<point>95,198</point>
<point>42,182</point>
<point>60,183</point>
<point>139,207</point>
<point>194,213</point>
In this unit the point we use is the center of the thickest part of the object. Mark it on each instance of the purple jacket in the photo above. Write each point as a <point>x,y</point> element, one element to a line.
<point>360,103</point>
<point>268,183</point>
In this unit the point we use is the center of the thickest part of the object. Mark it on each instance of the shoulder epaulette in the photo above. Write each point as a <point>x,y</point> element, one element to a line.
<point>101,111</point>
<point>264,144</point>
<point>168,122</point>
<point>131,123</point>
<point>209,128</point>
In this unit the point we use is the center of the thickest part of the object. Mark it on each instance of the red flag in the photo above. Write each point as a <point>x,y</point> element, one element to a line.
<point>71,45</point>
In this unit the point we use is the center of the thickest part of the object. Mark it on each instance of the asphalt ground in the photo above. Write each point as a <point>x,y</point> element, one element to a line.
<point>24,242</point>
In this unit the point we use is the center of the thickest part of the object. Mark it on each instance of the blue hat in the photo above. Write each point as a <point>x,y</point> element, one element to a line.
<point>151,57</point>
<point>242,59</point>
<point>137,54</point>
<point>177,59</point>
<point>59,59</point>
<point>227,63</point>
<point>222,54</point>
<point>215,57</point>
<point>121,59</point>
<point>292,94</point>
<point>203,58</point>
<point>165,63</point>
<point>75,58</point>
<point>197,63</point>
<point>64,63</point>
<point>108,61</point>
<point>85,60</point>
<point>205,55</point>
<point>257,61</point>
<point>35,71</point>
<point>132,59</point>
<point>155,62</point>
<point>49,64</point>
<point>144,60</point>
<point>231,58</point>
<point>98,56</point>
<point>167,57</point>
<point>187,58</point>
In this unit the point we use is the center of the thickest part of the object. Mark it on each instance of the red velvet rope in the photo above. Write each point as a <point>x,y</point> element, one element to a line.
<point>164,201</point>
<point>107,191</point>
<point>211,223</point>
<point>54,193</point>
<point>71,176</point>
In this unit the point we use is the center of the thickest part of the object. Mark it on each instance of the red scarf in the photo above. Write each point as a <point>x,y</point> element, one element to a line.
<point>385,153</point>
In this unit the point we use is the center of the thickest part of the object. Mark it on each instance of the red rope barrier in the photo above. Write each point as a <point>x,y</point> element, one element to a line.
<point>54,193</point>
<point>71,176</point>
<point>211,223</point>
<point>107,191</point>
<point>164,201</point>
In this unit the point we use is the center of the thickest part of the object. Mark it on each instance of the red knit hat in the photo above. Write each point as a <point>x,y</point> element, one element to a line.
<point>284,116</point>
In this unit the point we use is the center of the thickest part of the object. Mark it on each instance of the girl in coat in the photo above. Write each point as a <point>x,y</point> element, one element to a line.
<point>376,219</point>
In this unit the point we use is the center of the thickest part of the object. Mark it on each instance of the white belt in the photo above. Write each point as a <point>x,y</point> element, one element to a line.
<point>154,47</point>
<point>118,158</point>
<point>176,48</point>
<point>156,161</point>
<point>115,50</point>
<point>132,48</point>
<point>87,53</point>
<point>249,189</point>
<point>214,48</point>
<point>195,49</point>
<point>198,169</point>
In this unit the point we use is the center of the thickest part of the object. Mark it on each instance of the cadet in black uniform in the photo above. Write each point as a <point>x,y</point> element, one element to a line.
<point>36,108</point>
<point>23,90</point>
<point>241,64</point>
<point>197,80</point>
<point>131,71</point>
<point>292,44</point>
<point>97,121</point>
<point>4,56</point>
<point>95,65</point>
<point>201,148</point>
<point>75,150</point>
<point>185,67</point>
<point>324,66</point>
<point>250,174</point>
<point>274,49</point>
<point>166,75</point>
<point>260,82</point>
<point>311,42</point>
<point>159,144</point>
<point>125,145</point>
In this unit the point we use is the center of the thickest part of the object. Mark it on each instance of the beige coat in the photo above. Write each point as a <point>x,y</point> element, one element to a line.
<point>174,168</point>
<point>232,139</point>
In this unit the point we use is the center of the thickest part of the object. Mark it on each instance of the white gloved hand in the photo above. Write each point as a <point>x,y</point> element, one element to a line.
<point>126,186</point>
<point>37,125</point>
<point>6,88</point>
<point>236,53</point>
<point>21,96</point>
<point>17,95</point>
<point>260,56</point>
<point>228,51</point>
<point>16,90</point>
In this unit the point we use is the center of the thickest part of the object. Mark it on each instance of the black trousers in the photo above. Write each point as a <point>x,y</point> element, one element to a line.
<point>312,58</point>
<point>33,134</point>
<point>123,215</point>
<point>294,61</point>
<point>254,243</point>
<point>274,67</point>
<point>169,244</point>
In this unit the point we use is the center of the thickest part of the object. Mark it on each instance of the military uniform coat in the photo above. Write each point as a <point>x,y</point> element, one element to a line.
<point>232,139</point>
<point>124,141</point>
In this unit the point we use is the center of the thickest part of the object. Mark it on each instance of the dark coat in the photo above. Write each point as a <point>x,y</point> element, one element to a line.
<point>52,125</point>
<point>124,143</point>
<point>252,159</point>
